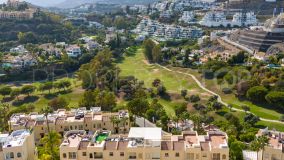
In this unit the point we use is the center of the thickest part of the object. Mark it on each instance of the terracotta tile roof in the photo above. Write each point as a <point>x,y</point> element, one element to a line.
<point>166,145</point>
<point>59,121</point>
<point>178,146</point>
<point>83,145</point>
<point>217,140</point>
<point>204,146</point>
<point>87,119</point>
<point>30,123</point>
<point>110,145</point>
<point>191,138</point>
<point>122,145</point>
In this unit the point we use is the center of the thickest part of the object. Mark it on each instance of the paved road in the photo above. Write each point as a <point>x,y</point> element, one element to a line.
<point>213,93</point>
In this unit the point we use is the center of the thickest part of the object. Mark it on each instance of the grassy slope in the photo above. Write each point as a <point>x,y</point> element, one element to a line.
<point>135,64</point>
<point>73,95</point>
<point>263,112</point>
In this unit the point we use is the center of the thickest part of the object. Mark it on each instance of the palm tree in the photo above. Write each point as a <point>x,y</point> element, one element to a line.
<point>196,121</point>
<point>4,116</point>
<point>123,121</point>
<point>259,143</point>
<point>115,121</point>
<point>46,110</point>
<point>50,148</point>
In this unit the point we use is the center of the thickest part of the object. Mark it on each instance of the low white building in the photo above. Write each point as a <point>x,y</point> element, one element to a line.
<point>73,51</point>
<point>19,145</point>
<point>187,17</point>
<point>19,49</point>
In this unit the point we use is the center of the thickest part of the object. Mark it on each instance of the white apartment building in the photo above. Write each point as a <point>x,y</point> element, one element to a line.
<point>163,31</point>
<point>187,17</point>
<point>18,146</point>
<point>218,19</point>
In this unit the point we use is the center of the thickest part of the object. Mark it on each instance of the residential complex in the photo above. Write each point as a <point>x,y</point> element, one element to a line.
<point>218,19</point>
<point>144,143</point>
<point>19,15</point>
<point>19,145</point>
<point>14,14</point>
<point>148,27</point>
<point>62,121</point>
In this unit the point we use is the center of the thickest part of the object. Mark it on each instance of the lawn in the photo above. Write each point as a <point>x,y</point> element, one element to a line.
<point>261,111</point>
<point>136,65</point>
<point>41,99</point>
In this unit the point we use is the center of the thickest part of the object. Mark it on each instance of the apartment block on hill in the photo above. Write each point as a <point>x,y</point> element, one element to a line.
<point>19,145</point>
<point>144,144</point>
<point>63,121</point>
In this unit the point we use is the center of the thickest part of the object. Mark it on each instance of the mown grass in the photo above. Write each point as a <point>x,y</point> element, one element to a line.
<point>260,110</point>
<point>40,99</point>
<point>136,65</point>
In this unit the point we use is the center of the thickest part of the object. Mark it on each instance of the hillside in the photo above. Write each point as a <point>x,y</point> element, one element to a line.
<point>260,7</point>
<point>74,3</point>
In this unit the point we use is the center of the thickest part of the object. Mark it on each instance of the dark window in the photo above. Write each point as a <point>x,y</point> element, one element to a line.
<point>19,155</point>
<point>177,154</point>
<point>91,155</point>
<point>84,154</point>
<point>64,155</point>
<point>111,154</point>
<point>122,154</point>
<point>166,154</point>
<point>12,155</point>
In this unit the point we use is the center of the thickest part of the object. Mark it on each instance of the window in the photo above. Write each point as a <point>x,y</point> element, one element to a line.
<point>84,154</point>
<point>11,154</point>
<point>216,156</point>
<point>98,155</point>
<point>64,155</point>
<point>224,156</point>
<point>71,128</point>
<point>72,155</point>
<point>122,154</point>
<point>177,154</point>
<point>94,126</point>
<point>19,155</point>
<point>190,156</point>
<point>111,154</point>
<point>166,154</point>
<point>91,155</point>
